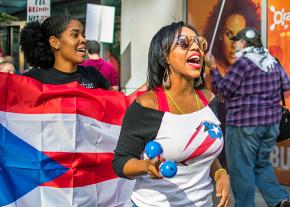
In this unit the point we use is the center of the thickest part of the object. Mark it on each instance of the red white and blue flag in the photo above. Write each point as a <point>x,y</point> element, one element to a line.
<point>56,144</point>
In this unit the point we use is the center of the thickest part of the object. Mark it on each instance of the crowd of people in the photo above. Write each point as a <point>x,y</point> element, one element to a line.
<point>179,111</point>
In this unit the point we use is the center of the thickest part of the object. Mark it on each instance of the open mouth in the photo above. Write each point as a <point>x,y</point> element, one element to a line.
<point>82,50</point>
<point>194,61</point>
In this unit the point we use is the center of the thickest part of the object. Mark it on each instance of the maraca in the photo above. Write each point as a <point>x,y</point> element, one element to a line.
<point>167,168</point>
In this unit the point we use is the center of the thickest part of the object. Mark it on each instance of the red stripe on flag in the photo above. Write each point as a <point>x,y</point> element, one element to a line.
<point>84,169</point>
<point>202,148</point>
<point>20,94</point>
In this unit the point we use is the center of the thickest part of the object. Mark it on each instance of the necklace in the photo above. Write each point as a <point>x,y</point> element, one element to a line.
<point>175,104</point>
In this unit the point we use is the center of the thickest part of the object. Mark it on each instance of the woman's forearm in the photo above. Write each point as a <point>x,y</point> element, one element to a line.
<point>135,167</point>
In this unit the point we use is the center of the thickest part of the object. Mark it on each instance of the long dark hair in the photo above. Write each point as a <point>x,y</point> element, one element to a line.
<point>245,8</point>
<point>34,40</point>
<point>159,49</point>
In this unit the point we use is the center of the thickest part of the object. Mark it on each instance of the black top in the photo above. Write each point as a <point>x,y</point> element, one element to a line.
<point>139,122</point>
<point>88,77</point>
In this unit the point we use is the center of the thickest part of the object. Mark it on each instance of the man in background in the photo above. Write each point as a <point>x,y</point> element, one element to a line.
<point>111,58</point>
<point>251,89</point>
<point>106,68</point>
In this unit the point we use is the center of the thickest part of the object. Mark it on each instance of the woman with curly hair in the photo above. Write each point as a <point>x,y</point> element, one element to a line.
<point>54,49</point>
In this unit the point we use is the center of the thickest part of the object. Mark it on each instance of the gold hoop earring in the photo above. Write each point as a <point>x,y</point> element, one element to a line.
<point>166,82</point>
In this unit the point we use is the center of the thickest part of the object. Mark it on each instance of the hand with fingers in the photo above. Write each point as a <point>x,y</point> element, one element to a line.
<point>223,188</point>
<point>210,61</point>
<point>159,167</point>
<point>153,168</point>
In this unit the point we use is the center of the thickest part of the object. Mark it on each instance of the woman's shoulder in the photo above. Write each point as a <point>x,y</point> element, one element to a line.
<point>90,71</point>
<point>87,69</point>
<point>148,100</point>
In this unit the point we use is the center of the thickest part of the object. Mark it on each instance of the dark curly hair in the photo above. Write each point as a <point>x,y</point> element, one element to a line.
<point>159,50</point>
<point>245,8</point>
<point>34,40</point>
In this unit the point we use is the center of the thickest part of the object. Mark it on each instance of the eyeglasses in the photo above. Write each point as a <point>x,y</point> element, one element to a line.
<point>185,42</point>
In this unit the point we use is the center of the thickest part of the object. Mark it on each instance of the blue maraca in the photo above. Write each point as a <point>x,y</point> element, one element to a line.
<point>168,168</point>
<point>153,149</point>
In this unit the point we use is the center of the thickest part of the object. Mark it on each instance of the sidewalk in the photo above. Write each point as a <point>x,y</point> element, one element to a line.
<point>259,199</point>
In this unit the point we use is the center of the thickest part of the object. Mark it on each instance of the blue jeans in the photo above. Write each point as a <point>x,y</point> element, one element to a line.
<point>247,151</point>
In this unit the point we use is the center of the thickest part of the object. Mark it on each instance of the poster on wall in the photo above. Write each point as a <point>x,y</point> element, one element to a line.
<point>235,16</point>
<point>278,33</point>
<point>278,41</point>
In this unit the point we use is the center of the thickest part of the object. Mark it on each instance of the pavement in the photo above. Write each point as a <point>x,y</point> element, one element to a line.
<point>259,201</point>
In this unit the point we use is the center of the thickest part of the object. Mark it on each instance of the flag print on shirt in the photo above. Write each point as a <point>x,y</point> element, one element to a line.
<point>192,140</point>
<point>213,132</point>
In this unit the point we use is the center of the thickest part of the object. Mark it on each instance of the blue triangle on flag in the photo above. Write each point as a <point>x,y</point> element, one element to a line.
<point>22,167</point>
<point>213,130</point>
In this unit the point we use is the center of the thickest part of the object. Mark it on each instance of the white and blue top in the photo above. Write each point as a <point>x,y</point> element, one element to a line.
<point>192,140</point>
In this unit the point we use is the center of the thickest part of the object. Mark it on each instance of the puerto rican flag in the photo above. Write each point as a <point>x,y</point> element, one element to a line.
<point>209,132</point>
<point>56,145</point>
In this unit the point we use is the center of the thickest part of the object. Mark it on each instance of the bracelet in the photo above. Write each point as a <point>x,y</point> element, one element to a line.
<point>217,173</point>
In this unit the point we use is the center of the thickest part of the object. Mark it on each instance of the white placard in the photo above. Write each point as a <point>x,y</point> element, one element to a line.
<point>100,23</point>
<point>38,10</point>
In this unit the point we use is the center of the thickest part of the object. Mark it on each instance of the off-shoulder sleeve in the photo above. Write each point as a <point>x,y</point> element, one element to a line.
<point>139,126</point>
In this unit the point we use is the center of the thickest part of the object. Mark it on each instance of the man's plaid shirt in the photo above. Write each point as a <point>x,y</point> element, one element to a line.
<point>252,95</point>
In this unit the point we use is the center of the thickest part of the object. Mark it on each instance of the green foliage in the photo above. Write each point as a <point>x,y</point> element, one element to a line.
<point>6,18</point>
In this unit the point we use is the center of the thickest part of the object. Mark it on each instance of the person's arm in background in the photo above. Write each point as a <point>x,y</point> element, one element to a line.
<point>114,79</point>
<point>115,88</point>
<point>227,85</point>
<point>139,91</point>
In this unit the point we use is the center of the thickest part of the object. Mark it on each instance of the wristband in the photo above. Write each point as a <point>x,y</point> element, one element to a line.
<point>217,173</point>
